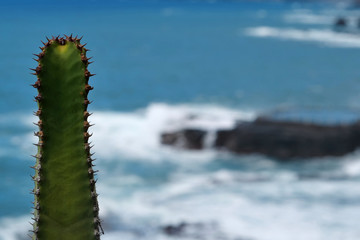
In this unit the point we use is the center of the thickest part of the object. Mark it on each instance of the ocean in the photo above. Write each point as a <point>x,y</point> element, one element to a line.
<point>159,63</point>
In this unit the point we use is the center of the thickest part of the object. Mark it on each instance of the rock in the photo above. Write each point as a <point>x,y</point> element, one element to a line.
<point>340,22</point>
<point>187,138</point>
<point>285,140</point>
<point>174,230</point>
<point>201,231</point>
<point>274,138</point>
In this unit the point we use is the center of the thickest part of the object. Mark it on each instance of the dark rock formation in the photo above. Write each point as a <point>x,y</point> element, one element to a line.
<point>274,138</point>
<point>289,139</point>
<point>200,231</point>
<point>174,230</point>
<point>187,138</point>
<point>340,22</point>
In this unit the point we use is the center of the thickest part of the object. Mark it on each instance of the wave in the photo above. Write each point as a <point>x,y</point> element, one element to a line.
<point>136,134</point>
<point>238,205</point>
<point>306,16</point>
<point>326,37</point>
<point>226,204</point>
<point>14,228</point>
<point>217,197</point>
<point>322,17</point>
<point>351,166</point>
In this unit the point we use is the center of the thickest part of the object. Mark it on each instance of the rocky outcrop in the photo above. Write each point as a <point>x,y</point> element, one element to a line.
<point>200,231</point>
<point>186,138</point>
<point>289,139</point>
<point>278,139</point>
<point>175,230</point>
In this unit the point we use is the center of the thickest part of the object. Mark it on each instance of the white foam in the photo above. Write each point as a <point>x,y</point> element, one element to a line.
<point>326,17</point>
<point>261,199</point>
<point>137,134</point>
<point>293,210</point>
<point>228,202</point>
<point>15,228</point>
<point>324,36</point>
<point>305,16</point>
<point>351,166</point>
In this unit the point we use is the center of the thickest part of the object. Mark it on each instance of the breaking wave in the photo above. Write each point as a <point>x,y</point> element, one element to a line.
<point>325,37</point>
<point>146,188</point>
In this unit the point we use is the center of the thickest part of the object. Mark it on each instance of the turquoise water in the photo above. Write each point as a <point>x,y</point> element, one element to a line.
<point>159,62</point>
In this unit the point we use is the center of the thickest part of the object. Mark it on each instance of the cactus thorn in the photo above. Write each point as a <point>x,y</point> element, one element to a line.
<point>37,156</point>
<point>37,69</point>
<point>84,59</point>
<point>37,113</point>
<point>40,55</point>
<point>86,115</point>
<point>39,123</point>
<point>40,144</point>
<point>38,97</point>
<point>88,88</point>
<point>88,74</point>
<point>36,84</point>
<point>98,221</point>
<point>39,134</point>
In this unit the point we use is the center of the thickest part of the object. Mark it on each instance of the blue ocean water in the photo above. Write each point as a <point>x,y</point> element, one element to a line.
<point>159,62</point>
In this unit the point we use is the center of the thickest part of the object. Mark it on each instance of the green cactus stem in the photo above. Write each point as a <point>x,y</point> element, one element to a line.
<point>66,206</point>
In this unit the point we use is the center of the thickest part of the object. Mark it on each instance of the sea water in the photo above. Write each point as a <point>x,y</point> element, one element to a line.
<point>165,65</point>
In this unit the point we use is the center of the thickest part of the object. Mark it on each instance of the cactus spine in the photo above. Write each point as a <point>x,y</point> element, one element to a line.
<point>65,205</point>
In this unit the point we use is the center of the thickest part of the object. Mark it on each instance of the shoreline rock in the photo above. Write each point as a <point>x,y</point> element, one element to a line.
<point>187,230</point>
<point>274,138</point>
<point>186,138</point>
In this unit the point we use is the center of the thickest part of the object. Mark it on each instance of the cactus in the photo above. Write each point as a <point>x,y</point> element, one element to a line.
<point>65,205</point>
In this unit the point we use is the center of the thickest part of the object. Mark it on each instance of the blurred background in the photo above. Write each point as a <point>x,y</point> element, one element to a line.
<point>168,65</point>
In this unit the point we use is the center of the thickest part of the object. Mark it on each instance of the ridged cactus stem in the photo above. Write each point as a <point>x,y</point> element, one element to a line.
<point>66,206</point>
